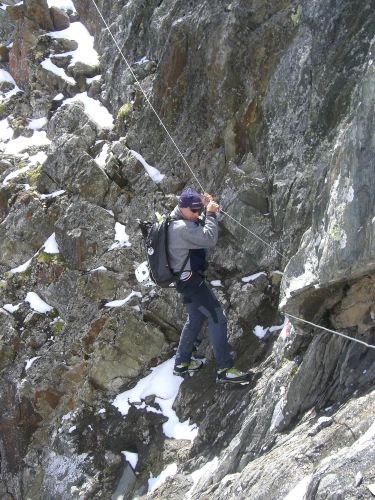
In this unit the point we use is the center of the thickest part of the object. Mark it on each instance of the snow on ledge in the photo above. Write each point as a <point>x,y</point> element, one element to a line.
<point>7,77</point>
<point>16,146</point>
<point>165,386</point>
<point>131,457</point>
<point>85,52</point>
<point>48,65</point>
<point>153,172</point>
<point>29,362</point>
<point>51,246</point>
<point>253,277</point>
<point>37,304</point>
<point>10,308</point>
<point>155,482</point>
<point>121,237</point>
<point>94,109</point>
<point>37,123</point>
<point>300,490</point>
<point>62,4</point>
<point>119,303</point>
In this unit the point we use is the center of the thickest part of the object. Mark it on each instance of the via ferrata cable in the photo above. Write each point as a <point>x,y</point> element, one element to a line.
<point>200,185</point>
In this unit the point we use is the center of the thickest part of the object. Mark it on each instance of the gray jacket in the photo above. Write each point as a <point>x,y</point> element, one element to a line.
<point>185,235</point>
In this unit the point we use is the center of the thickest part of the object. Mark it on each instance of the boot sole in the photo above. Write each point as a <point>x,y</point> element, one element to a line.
<point>188,372</point>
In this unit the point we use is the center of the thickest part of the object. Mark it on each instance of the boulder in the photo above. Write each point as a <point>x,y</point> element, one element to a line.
<point>59,18</point>
<point>119,354</point>
<point>84,232</point>
<point>24,230</point>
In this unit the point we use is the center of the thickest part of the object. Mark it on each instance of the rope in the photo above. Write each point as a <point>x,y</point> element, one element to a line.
<point>171,138</point>
<point>200,185</point>
<point>330,331</point>
<point>251,232</point>
<point>147,99</point>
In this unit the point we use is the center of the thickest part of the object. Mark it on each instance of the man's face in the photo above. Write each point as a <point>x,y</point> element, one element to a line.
<point>191,213</point>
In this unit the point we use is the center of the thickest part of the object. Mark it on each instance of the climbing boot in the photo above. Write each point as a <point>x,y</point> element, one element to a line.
<point>233,376</point>
<point>184,368</point>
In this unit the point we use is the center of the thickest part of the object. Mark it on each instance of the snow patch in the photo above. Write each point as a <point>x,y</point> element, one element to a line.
<point>253,277</point>
<point>143,60</point>
<point>29,362</point>
<point>100,268</point>
<point>277,416</point>
<point>48,65</point>
<point>94,79</point>
<point>300,490</point>
<point>6,131</point>
<point>15,174</point>
<point>153,172</point>
<point>7,77</point>
<point>102,156</point>
<point>55,194</point>
<point>22,143</point>
<point>132,458</point>
<point>62,4</point>
<point>85,52</point>
<point>165,386</point>
<point>206,470</point>
<point>155,482</point>
<point>300,282</point>
<point>51,246</point>
<point>37,123</point>
<point>94,109</point>
<point>22,268</point>
<point>39,157</point>
<point>121,302</point>
<point>37,304</point>
<point>260,332</point>
<point>11,308</point>
<point>121,238</point>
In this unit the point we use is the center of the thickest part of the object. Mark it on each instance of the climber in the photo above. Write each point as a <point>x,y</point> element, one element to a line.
<point>190,234</point>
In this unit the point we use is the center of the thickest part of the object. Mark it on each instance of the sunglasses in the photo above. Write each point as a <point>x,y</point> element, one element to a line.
<point>196,210</point>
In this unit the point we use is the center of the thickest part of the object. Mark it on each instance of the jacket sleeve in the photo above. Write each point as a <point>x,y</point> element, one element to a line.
<point>201,236</point>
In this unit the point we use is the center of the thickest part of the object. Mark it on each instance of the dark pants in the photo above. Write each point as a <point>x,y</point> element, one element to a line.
<point>202,304</point>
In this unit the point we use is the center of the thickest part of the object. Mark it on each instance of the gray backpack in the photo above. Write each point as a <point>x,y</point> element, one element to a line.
<point>155,236</point>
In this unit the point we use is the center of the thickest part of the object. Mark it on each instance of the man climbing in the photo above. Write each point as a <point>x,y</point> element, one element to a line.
<point>191,235</point>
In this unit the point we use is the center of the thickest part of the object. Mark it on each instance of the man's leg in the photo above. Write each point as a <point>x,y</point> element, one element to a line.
<point>189,333</point>
<point>210,307</point>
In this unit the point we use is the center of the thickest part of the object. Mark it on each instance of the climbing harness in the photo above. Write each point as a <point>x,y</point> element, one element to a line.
<point>200,185</point>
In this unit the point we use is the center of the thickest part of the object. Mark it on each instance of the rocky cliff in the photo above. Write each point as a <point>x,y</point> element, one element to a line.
<point>272,105</point>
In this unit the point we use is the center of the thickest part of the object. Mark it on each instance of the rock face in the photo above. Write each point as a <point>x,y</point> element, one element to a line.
<point>272,105</point>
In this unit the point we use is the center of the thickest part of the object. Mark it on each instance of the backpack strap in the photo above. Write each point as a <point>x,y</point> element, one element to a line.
<point>183,266</point>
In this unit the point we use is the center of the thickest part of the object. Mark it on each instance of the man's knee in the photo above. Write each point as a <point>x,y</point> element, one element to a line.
<point>214,314</point>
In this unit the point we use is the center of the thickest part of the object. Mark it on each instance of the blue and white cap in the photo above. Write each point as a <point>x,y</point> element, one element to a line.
<point>189,198</point>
